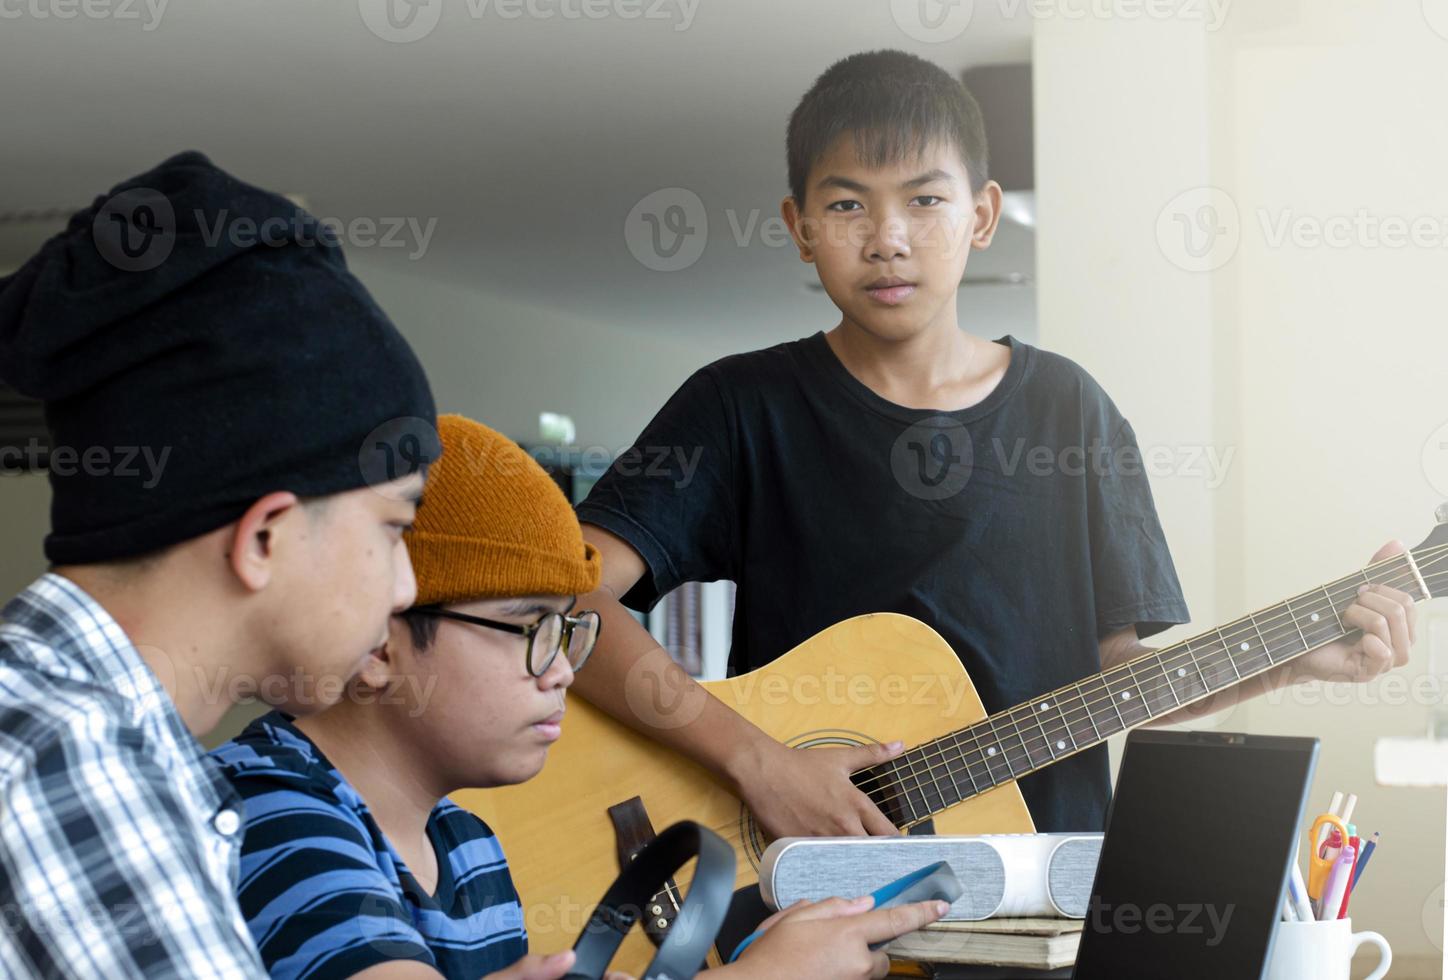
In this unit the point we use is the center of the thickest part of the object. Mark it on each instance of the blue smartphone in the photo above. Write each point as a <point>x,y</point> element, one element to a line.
<point>934,882</point>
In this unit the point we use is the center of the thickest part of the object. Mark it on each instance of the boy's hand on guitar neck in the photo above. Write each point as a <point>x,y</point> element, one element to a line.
<point>1388,621</point>
<point>808,792</point>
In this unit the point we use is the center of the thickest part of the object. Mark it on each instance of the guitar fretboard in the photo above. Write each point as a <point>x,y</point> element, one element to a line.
<point>1012,743</point>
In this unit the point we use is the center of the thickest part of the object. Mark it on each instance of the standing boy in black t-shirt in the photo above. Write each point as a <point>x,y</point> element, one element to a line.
<point>898,463</point>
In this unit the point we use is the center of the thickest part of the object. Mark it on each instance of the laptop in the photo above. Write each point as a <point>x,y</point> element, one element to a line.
<point>1200,837</point>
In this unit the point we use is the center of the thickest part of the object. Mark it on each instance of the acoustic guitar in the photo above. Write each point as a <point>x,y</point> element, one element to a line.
<point>605,788</point>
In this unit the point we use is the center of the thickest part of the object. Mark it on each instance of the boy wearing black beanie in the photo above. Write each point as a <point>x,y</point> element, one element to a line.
<point>212,326</point>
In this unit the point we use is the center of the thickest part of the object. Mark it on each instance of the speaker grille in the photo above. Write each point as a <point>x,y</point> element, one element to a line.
<point>1069,875</point>
<point>818,870</point>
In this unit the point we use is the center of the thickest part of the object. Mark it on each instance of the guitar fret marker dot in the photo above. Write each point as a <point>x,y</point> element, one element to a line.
<point>1245,647</point>
<point>991,750</point>
<point>1061,744</point>
<point>1315,617</point>
<point>1181,672</point>
<point>1126,695</point>
<point>1045,705</point>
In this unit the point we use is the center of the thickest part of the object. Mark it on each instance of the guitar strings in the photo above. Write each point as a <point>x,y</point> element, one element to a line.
<point>1175,656</point>
<point>897,771</point>
<point>1426,558</point>
<point>1063,718</point>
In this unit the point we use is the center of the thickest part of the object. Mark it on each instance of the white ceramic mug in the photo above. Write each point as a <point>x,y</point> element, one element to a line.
<point>1322,951</point>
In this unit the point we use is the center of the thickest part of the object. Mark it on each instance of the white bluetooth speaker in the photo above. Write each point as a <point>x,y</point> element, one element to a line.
<point>1016,875</point>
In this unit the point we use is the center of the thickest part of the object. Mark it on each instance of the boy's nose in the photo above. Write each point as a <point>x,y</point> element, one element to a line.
<point>891,239</point>
<point>559,673</point>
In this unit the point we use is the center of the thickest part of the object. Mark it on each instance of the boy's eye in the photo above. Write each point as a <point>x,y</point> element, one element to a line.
<point>927,200</point>
<point>844,206</point>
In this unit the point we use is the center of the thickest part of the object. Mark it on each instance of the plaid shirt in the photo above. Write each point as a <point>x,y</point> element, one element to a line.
<point>119,839</point>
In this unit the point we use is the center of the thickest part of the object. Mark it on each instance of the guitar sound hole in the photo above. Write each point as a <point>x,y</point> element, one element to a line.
<point>752,836</point>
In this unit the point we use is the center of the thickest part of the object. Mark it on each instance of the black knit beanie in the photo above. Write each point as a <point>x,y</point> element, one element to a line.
<point>199,343</point>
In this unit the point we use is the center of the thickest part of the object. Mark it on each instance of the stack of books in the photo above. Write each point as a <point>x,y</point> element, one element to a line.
<point>993,947</point>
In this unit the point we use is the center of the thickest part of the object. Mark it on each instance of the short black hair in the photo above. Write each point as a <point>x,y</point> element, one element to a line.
<point>895,104</point>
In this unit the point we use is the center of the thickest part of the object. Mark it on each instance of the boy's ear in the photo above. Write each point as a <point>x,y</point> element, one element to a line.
<point>987,215</point>
<point>380,668</point>
<point>799,228</point>
<point>255,537</point>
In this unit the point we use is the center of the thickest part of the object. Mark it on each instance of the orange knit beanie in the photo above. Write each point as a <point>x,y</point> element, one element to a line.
<point>493,524</point>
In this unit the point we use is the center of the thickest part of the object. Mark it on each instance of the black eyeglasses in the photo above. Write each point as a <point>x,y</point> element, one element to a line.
<point>553,633</point>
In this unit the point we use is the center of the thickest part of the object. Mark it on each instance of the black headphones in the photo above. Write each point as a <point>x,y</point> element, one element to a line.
<point>698,922</point>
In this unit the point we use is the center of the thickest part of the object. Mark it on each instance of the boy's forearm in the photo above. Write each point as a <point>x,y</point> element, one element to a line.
<point>634,680</point>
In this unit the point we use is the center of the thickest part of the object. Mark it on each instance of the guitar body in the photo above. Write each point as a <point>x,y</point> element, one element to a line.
<point>873,678</point>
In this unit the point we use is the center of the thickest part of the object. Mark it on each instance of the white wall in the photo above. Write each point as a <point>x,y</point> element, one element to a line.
<point>503,362</point>
<point>1324,367</point>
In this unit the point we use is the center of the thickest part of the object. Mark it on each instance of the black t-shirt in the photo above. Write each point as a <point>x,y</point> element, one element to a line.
<point>1022,528</point>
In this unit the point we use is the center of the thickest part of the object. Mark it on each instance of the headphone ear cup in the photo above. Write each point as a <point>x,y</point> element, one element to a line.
<point>695,927</point>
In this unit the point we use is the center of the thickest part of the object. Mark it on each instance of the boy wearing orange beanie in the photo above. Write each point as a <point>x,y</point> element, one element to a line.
<point>353,858</point>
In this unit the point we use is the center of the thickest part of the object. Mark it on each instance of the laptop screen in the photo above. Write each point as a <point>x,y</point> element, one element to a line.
<point>1194,865</point>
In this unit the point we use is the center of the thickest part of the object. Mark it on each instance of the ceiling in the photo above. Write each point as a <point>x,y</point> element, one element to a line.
<point>529,139</point>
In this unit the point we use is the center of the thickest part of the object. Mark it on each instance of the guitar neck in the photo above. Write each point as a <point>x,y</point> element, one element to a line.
<point>1020,740</point>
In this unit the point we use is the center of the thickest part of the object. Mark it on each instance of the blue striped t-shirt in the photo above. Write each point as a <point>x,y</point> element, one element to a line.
<point>324,892</point>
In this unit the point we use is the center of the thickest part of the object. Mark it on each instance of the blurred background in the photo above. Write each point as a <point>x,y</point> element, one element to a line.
<point>1234,215</point>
